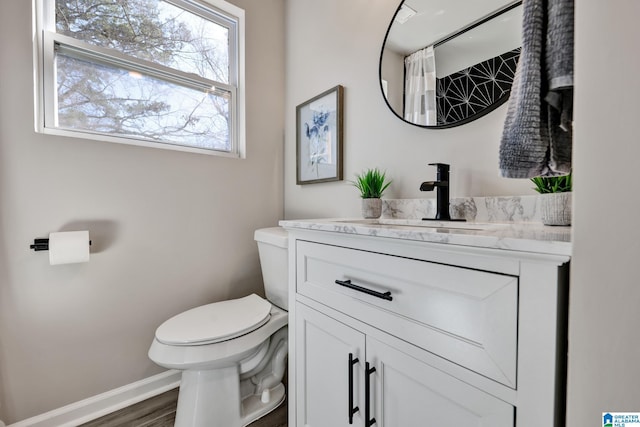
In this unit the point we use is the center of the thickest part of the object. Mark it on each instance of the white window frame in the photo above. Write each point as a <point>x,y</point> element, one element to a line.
<point>46,41</point>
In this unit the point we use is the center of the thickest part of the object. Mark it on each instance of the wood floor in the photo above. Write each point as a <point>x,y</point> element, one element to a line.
<point>160,411</point>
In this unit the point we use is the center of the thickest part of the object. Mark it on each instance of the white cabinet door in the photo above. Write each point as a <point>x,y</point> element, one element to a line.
<point>407,392</point>
<point>323,350</point>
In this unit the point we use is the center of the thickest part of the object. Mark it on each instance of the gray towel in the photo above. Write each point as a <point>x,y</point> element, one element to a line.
<point>537,135</point>
<point>559,67</point>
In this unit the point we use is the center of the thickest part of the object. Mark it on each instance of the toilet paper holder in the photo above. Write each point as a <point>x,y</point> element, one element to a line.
<point>42,244</point>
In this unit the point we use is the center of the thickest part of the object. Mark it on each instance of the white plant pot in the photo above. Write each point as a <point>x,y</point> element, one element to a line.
<point>555,208</point>
<point>371,208</point>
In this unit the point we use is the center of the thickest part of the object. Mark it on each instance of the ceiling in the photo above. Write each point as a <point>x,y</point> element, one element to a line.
<point>435,20</point>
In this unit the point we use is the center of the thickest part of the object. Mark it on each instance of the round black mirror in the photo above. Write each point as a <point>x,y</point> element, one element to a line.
<point>445,63</point>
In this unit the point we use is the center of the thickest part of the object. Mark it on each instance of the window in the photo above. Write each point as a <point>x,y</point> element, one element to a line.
<point>163,73</point>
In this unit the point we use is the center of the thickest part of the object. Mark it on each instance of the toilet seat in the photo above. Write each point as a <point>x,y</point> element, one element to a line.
<point>213,323</point>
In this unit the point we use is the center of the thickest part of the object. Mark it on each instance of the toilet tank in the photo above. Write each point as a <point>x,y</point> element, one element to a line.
<point>272,247</point>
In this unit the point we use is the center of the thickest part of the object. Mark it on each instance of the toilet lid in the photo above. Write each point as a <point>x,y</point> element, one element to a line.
<point>215,322</point>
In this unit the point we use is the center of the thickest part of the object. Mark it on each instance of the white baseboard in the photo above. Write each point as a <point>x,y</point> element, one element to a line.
<point>97,406</point>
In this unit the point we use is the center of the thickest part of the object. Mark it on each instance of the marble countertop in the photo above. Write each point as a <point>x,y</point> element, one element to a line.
<point>529,237</point>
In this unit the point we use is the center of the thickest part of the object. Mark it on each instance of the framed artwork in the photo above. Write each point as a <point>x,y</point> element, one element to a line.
<point>319,138</point>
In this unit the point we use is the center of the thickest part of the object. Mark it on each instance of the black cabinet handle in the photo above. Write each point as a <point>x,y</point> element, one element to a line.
<point>367,395</point>
<point>352,410</point>
<point>347,284</point>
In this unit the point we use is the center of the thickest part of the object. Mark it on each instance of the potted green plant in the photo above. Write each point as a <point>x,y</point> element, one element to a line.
<point>371,184</point>
<point>555,198</point>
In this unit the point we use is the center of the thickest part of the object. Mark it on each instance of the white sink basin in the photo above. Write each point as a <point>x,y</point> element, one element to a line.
<point>450,225</point>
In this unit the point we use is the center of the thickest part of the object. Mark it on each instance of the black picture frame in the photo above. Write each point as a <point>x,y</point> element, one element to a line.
<point>319,138</point>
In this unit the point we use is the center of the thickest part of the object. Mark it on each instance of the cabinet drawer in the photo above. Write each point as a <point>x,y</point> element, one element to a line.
<point>466,316</point>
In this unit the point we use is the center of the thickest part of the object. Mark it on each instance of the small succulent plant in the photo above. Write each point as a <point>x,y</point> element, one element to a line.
<point>552,184</point>
<point>371,183</point>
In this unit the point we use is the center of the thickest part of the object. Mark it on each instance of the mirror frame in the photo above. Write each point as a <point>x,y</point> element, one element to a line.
<point>469,119</point>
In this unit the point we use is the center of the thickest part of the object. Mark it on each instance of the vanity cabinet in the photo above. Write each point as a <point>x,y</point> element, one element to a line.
<point>411,333</point>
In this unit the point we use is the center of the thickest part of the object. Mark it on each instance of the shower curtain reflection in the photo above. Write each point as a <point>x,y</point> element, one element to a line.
<point>420,87</point>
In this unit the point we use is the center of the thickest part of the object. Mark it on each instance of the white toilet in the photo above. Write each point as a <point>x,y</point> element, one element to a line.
<point>232,353</point>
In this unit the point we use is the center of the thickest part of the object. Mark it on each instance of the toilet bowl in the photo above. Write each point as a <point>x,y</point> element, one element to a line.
<point>232,353</point>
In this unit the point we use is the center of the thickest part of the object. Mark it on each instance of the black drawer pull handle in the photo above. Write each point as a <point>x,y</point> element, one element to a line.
<point>352,410</point>
<point>347,283</point>
<point>367,395</point>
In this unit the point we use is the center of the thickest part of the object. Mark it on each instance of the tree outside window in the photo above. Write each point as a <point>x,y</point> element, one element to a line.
<point>151,70</point>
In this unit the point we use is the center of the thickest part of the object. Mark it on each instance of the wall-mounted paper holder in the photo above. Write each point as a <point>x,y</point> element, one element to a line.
<point>65,247</point>
<point>42,245</point>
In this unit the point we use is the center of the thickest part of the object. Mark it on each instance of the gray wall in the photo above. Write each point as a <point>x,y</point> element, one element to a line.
<point>604,339</point>
<point>332,42</point>
<point>171,230</point>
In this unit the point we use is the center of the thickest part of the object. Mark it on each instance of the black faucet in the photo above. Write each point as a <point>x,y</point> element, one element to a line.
<point>442,192</point>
